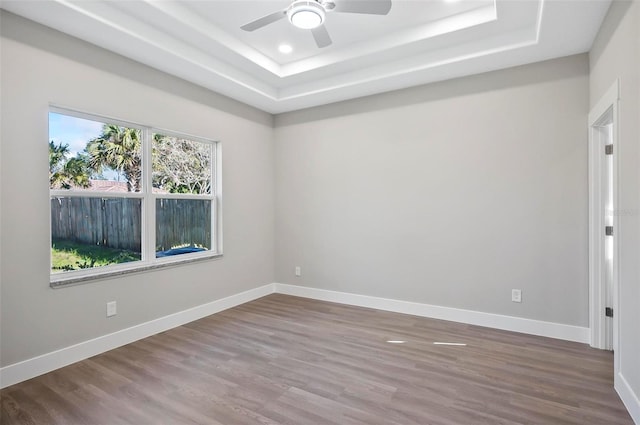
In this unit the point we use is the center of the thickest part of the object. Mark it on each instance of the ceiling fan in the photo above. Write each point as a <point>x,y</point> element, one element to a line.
<point>310,14</point>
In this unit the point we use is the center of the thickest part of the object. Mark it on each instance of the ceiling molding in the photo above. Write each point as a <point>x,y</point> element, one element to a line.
<point>412,45</point>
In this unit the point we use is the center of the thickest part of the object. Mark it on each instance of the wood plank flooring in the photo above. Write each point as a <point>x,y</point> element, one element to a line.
<point>294,361</point>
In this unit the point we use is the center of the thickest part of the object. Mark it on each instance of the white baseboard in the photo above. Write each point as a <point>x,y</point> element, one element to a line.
<point>628,397</point>
<point>497,321</point>
<point>45,363</point>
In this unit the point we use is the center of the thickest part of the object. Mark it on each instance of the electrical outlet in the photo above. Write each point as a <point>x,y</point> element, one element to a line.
<point>516,295</point>
<point>112,309</point>
<point>298,271</point>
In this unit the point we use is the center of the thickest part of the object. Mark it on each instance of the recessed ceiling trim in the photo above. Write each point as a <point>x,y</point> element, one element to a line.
<point>214,34</point>
<point>478,16</point>
<point>174,48</point>
<point>458,22</point>
<point>192,48</point>
<point>417,65</point>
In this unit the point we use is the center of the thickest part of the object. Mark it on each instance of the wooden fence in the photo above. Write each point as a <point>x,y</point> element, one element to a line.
<point>183,222</point>
<point>117,222</point>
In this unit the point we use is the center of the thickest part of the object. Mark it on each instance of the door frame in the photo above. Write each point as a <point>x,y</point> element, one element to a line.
<point>607,106</point>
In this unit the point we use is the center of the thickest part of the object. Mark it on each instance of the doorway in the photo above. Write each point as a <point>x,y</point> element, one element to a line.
<point>603,222</point>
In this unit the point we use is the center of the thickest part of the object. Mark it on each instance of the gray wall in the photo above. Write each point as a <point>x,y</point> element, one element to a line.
<point>449,194</point>
<point>40,66</point>
<point>616,54</point>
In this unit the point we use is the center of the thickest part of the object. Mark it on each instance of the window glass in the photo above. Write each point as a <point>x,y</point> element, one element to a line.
<point>88,232</point>
<point>183,226</point>
<point>93,155</point>
<point>181,165</point>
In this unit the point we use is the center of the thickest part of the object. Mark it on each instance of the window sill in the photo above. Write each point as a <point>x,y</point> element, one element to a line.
<point>63,280</point>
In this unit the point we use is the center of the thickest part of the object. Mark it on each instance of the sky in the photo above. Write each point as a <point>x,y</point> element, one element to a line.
<point>75,132</point>
<point>72,131</point>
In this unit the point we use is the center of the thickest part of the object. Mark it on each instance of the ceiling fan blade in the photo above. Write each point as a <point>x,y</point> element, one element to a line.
<point>371,7</point>
<point>321,36</point>
<point>264,21</point>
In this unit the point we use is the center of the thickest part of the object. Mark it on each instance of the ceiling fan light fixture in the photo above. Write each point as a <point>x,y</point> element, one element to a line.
<point>306,14</point>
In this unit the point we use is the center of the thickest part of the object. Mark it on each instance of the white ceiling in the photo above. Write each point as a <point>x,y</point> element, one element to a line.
<point>419,41</point>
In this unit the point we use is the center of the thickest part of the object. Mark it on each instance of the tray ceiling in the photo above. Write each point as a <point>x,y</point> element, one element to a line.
<point>417,42</point>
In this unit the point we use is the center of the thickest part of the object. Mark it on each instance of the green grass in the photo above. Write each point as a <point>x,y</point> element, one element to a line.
<point>68,255</point>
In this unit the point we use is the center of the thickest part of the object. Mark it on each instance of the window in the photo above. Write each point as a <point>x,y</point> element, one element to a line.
<point>127,197</point>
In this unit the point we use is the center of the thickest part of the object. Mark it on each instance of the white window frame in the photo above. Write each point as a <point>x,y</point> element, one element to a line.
<point>148,201</point>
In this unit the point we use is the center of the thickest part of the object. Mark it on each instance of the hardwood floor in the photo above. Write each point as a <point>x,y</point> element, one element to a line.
<point>288,360</point>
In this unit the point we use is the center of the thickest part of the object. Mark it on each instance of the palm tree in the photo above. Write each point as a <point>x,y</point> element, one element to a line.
<point>118,148</point>
<point>77,170</point>
<point>67,174</point>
